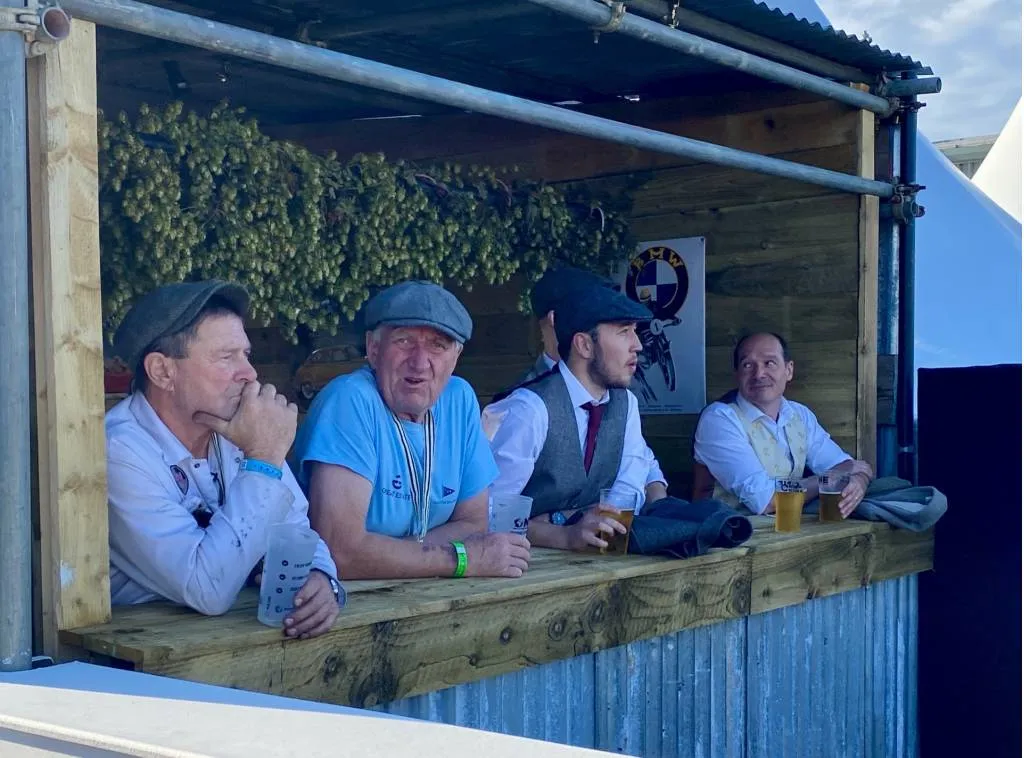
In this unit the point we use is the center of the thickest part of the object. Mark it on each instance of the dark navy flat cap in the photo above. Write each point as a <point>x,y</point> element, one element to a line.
<point>418,303</point>
<point>167,310</point>
<point>585,308</point>
<point>558,283</point>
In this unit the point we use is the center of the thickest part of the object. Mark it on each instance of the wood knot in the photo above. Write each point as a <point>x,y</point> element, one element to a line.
<point>556,629</point>
<point>506,635</point>
<point>769,123</point>
<point>332,666</point>
<point>687,596</point>
<point>474,660</point>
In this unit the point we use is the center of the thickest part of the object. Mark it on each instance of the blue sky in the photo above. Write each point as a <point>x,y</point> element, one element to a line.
<point>974,45</point>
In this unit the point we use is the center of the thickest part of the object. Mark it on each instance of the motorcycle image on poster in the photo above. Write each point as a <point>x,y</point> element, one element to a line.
<point>667,276</point>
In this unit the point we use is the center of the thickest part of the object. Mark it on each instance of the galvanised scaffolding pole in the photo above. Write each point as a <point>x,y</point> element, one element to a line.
<point>15,420</point>
<point>148,20</point>
<point>601,17</point>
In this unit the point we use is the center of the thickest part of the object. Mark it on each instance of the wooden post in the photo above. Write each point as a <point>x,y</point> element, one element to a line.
<point>75,573</point>
<point>867,328</point>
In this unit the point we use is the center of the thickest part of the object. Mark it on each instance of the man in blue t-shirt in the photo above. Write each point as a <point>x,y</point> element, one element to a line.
<point>393,456</point>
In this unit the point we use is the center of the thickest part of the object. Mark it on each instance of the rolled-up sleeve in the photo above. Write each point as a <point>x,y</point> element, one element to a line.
<point>158,544</point>
<point>822,451</point>
<point>721,444</point>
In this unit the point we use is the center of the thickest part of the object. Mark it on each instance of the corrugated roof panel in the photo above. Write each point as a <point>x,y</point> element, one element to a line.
<point>810,36</point>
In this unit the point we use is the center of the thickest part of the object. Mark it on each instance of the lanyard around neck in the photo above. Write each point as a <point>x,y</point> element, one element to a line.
<point>419,488</point>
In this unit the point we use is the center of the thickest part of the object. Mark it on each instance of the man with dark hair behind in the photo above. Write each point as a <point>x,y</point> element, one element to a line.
<point>753,434</point>
<point>196,461</point>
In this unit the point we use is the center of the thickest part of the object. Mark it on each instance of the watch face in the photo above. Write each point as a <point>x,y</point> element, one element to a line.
<point>558,518</point>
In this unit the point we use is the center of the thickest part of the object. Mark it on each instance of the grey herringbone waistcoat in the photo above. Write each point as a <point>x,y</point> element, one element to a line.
<point>559,481</point>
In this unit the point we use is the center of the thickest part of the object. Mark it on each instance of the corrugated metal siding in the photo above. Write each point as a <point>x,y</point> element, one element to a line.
<point>834,676</point>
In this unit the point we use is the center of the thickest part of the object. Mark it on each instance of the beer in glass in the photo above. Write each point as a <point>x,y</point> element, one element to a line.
<point>830,491</point>
<point>789,504</point>
<point>621,505</point>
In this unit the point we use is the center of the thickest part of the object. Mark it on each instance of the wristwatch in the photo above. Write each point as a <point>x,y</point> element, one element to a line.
<point>336,588</point>
<point>557,518</point>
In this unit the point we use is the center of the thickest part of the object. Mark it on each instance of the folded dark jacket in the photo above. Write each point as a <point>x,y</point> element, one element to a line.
<point>671,526</point>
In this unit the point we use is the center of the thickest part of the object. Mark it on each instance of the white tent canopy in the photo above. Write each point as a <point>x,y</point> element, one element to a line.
<point>999,175</point>
<point>968,285</point>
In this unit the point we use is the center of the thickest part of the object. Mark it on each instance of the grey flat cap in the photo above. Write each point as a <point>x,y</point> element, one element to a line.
<point>167,310</point>
<point>560,282</point>
<point>417,303</point>
<point>585,308</point>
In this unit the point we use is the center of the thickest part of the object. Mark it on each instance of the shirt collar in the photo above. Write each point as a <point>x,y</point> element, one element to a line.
<point>549,362</point>
<point>172,449</point>
<point>577,393</point>
<point>752,413</point>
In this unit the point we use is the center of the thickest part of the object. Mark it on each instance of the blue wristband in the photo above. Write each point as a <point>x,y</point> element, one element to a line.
<point>262,467</point>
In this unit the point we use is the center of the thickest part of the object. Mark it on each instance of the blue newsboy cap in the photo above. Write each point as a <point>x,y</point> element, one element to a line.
<point>560,282</point>
<point>418,303</point>
<point>167,310</point>
<point>585,308</point>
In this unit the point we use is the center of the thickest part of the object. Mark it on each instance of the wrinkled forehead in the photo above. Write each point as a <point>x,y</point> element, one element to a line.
<point>419,333</point>
<point>221,331</point>
<point>760,347</point>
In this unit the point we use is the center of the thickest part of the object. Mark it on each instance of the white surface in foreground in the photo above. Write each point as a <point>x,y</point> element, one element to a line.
<point>84,710</point>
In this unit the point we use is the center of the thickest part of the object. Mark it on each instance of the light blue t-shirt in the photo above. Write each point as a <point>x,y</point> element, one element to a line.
<point>349,425</point>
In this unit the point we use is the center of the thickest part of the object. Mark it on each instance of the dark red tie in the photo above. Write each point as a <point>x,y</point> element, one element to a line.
<point>594,414</point>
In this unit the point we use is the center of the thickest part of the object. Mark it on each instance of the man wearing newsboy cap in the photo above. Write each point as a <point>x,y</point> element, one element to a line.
<point>393,456</point>
<point>196,461</point>
<point>574,431</point>
<point>556,285</point>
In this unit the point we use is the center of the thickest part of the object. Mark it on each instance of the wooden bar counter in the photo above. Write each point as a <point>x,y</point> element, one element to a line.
<point>400,638</point>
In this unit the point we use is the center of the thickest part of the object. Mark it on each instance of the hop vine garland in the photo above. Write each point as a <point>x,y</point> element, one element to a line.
<point>184,197</point>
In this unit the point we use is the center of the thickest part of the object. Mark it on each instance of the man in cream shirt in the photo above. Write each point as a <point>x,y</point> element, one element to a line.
<point>754,434</point>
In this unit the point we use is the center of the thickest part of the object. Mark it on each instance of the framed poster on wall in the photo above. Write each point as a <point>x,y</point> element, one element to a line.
<point>667,276</point>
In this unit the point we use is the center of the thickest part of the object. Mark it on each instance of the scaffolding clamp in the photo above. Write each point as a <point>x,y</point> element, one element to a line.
<point>618,10</point>
<point>43,25</point>
<point>903,202</point>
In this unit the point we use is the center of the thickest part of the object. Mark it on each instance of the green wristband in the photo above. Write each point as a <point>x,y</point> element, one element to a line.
<point>460,560</point>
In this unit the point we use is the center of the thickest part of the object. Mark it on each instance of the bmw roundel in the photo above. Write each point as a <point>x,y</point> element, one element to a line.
<point>657,277</point>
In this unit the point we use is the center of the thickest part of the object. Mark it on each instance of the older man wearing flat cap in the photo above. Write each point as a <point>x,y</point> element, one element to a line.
<point>555,286</point>
<point>393,456</point>
<point>196,461</point>
<point>576,430</point>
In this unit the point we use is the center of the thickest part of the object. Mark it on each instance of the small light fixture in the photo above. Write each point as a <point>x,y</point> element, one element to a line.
<point>223,76</point>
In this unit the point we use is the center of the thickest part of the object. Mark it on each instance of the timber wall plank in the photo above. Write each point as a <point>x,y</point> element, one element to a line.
<point>782,256</point>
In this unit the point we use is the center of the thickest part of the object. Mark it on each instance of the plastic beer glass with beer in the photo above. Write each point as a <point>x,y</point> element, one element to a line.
<point>621,505</point>
<point>510,513</point>
<point>830,491</point>
<point>789,504</point>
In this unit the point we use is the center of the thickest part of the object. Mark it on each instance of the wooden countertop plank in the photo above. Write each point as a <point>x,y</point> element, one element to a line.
<point>404,637</point>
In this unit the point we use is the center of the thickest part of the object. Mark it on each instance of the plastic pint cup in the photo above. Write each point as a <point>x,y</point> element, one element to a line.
<point>621,505</point>
<point>285,569</point>
<point>510,513</point>
<point>830,491</point>
<point>789,504</point>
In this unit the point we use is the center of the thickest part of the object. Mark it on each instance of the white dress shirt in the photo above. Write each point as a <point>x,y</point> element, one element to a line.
<point>157,548</point>
<point>519,426</point>
<point>654,472</point>
<point>721,444</point>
